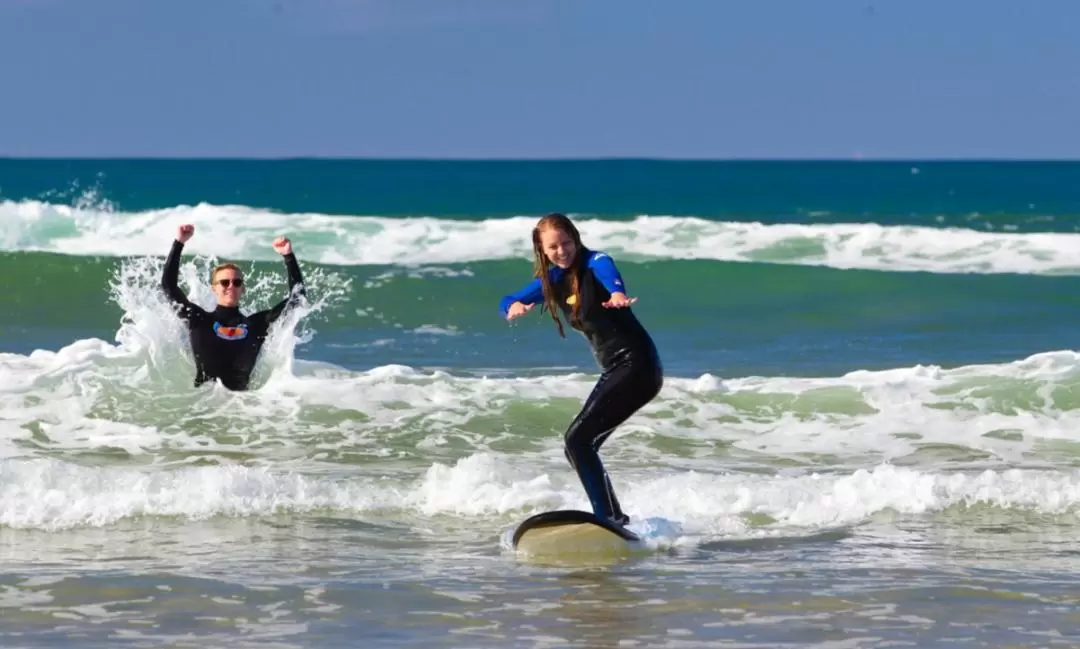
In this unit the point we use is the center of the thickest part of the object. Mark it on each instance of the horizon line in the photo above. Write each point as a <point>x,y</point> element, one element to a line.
<point>528,159</point>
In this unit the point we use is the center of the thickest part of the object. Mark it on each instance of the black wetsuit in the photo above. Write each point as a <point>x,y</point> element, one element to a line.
<point>225,342</point>
<point>632,372</point>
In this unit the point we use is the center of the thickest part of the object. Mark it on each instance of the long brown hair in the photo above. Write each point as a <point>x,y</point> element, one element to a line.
<point>541,266</point>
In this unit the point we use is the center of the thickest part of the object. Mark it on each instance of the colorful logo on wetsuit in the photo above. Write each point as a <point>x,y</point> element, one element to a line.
<point>572,300</point>
<point>239,332</point>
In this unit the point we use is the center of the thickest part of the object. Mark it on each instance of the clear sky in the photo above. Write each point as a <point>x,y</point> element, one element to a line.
<point>541,78</point>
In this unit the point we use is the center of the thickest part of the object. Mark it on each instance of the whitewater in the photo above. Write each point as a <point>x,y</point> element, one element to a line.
<point>240,232</point>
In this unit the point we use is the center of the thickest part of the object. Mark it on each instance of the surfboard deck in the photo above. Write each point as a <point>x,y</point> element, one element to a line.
<point>569,531</point>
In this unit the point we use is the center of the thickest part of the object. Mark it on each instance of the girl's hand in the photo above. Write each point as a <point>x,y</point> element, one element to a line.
<point>619,300</point>
<point>517,309</point>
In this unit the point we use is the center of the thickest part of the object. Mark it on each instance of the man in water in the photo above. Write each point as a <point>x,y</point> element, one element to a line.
<point>225,342</point>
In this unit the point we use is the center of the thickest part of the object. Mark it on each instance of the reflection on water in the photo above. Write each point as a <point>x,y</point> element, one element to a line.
<point>983,577</point>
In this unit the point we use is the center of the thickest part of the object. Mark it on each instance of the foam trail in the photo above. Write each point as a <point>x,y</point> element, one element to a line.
<point>52,494</point>
<point>136,398</point>
<point>239,232</point>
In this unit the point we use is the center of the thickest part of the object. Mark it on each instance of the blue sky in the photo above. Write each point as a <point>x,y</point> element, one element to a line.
<point>541,78</point>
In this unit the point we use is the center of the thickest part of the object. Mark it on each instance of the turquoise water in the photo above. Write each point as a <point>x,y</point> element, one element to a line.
<point>1030,196</point>
<point>872,399</point>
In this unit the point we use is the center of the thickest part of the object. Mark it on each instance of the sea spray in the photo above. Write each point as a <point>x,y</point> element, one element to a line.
<point>151,327</point>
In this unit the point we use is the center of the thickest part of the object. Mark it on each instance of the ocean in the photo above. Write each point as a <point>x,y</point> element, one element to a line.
<point>867,436</point>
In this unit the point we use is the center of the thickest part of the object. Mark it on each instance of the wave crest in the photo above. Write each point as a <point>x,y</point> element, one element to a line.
<point>240,232</point>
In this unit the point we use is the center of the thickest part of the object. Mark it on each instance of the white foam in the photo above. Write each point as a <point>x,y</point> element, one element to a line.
<point>94,393</point>
<point>239,232</point>
<point>51,494</point>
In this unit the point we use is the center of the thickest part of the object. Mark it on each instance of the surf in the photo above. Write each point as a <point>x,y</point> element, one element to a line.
<point>240,232</point>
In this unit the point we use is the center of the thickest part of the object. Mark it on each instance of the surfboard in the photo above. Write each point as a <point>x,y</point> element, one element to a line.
<point>569,531</point>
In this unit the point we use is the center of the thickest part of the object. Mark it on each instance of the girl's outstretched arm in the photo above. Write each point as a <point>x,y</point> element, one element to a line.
<point>603,268</point>
<point>532,293</point>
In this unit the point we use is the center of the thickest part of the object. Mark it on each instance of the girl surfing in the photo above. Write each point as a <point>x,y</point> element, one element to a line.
<point>586,288</point>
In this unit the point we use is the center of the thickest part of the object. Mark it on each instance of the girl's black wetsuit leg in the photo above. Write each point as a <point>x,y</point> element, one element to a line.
<point>628,384</point>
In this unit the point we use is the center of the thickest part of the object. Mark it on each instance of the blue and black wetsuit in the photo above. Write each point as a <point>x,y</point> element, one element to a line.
<point>632,372</point>
<point>225,342</point>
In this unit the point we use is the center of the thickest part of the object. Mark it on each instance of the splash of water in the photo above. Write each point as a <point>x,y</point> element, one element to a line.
<point>151,331</point>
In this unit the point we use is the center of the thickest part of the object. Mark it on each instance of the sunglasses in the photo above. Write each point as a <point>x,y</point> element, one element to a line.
<point>225,283</point>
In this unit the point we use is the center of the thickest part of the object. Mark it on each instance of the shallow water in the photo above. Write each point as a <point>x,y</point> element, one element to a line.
<point>977,579</point>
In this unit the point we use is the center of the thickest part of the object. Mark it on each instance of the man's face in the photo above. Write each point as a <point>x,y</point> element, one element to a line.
<point>228,287</point>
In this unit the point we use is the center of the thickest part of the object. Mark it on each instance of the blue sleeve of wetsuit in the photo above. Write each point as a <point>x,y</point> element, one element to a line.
<point>532,293</point>
<point>603,268</point>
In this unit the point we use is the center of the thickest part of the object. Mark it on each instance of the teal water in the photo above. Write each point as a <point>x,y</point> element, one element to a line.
<point>728,319</point>
<point>1029,196</point>
<point>872,400</point>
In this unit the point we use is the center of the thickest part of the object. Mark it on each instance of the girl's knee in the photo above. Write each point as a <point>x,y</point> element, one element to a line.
<point>573,442</point>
